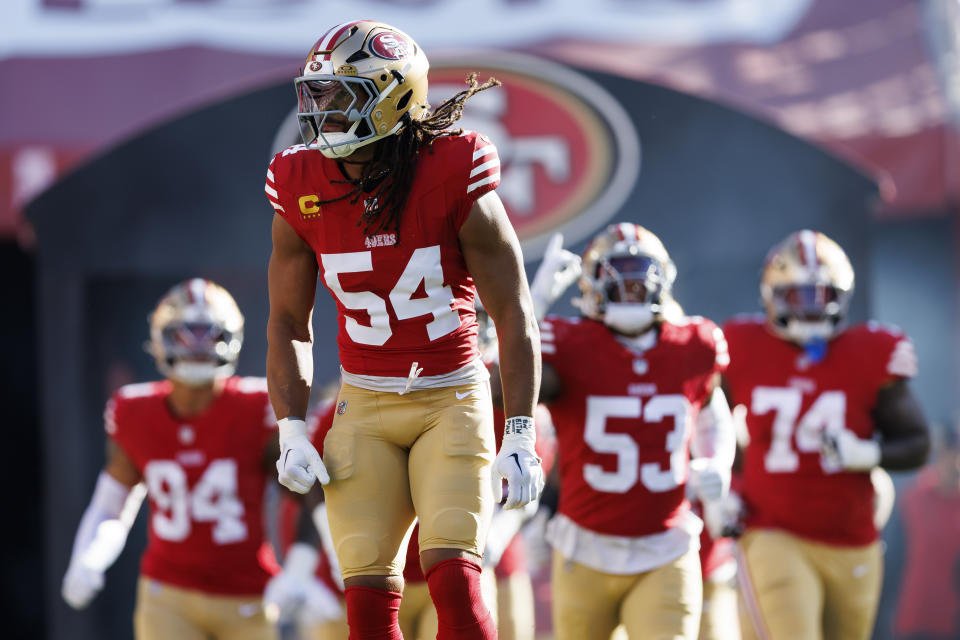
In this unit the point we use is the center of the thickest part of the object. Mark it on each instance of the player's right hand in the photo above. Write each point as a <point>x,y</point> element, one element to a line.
<point>299,464</point>
<point>80,585</point>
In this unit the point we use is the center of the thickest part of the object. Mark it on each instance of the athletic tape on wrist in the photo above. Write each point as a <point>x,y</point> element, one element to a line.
<point>519,425</point>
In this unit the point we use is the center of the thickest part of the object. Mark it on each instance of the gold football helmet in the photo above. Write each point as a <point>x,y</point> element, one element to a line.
<point>196,332</point>
<point>626,278</point>
<point>361,81</point>
<point>806,287</point>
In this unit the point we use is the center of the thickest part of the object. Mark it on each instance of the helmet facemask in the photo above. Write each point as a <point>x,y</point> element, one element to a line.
<point>805,313</point>
<point>633,286</point>
<point>335,112</point>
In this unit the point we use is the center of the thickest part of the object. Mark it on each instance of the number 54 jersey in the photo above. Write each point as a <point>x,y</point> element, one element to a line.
<point>624,421</point>
<point>403,296</point>
<point>791,402</point>
<point>205,479</point>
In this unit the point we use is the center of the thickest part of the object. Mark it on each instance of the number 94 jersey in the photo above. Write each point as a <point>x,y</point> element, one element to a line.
<point>401,297</point>
<point>791,402</point>
<point>624,421</point>
<point>205,479</point>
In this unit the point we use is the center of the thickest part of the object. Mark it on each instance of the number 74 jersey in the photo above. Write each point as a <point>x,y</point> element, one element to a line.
<point>624,421</point>
<point>791,404</point>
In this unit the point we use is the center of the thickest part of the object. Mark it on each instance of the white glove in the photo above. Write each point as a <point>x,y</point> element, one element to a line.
<point>709,479</point>
<point>724,517</point>
<point>518,464</point>
<point>558,270</point>
<point>81,584</point>
<point>295,591</point>
<point>844,450</point>
<point>299,464</point>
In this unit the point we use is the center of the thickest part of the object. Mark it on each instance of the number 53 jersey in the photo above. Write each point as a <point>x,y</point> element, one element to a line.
<point>791,403</point>
<point>205,479</point>
<point>624,421</point>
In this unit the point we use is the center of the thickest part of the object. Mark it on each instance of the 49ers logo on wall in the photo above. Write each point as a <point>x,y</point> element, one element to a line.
<point>390,46</point>
<point>569,153</point>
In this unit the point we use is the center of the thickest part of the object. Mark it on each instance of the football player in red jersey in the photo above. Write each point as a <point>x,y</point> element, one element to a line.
<point>625,383</point>
<point>825,405</point>
<point>397,213</point>
<point>202,442</point>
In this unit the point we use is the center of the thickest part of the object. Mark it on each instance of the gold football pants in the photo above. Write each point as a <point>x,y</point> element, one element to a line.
<point>660,604</point>
<point>795,589</point>
<point>164,611</point>
<point>426,453</point>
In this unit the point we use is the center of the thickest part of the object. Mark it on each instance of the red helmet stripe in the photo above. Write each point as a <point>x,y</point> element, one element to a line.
<point>328,44</point>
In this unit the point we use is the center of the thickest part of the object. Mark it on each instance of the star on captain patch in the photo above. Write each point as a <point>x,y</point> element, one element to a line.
<point>186,434</point>
<point>341,407</point>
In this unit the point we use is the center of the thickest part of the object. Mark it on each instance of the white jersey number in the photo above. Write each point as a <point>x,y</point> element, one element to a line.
<point>827,414</point>
<point>424,266</point>
<point>213,499</point>
<point>629,469</point>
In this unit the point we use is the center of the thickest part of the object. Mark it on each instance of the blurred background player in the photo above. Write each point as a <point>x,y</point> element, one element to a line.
<point>929,603</point>
<point>825,405</point>
<point>625,383</point>
<point>397,212</point>
<point>203,444</point>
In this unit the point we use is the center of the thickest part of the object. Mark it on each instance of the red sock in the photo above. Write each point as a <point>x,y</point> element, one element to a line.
<point>372,614</point>
<point>461,613</point>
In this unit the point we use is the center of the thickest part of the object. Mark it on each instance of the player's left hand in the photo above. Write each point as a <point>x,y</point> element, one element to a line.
<point>709,480</point>
<point>518,464</point>
<point>81,584</point>
<point>844,450</point>
<point>299,465</point>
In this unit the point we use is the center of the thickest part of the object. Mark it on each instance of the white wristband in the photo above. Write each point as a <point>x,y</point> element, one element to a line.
<point>290,427</point>
<point>520,428</point>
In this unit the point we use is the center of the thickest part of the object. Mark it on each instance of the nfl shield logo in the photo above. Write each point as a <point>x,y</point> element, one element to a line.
<point>341,407</point>
<point>640,367</point>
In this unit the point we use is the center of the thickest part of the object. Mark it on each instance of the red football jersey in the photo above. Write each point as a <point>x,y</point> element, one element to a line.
<point>401,298</point>
<point>624,421</point>
<point>791,402</point>
<point>205,479</point>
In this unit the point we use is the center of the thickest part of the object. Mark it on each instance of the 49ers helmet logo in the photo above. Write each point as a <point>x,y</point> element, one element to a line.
<point>390,46</point>
<point>569,152</point>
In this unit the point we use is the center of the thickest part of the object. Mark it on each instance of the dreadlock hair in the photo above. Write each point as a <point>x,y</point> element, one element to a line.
<point>385,181</point>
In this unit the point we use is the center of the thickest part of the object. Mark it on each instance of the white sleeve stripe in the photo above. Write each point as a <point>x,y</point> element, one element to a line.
<point>270,191</point>
<point>547,348</point>
<point>546,336</point>
<point>544,325</point>
<point>480,183</point>
<point>482,151</point>
<point>483,167</point>
<point>270,175</point>
<point>276,206</point>
<point>903,360</point>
